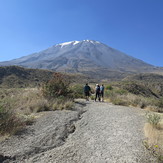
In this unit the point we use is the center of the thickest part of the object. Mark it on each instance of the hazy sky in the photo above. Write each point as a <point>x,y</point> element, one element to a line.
<point>134,27</point>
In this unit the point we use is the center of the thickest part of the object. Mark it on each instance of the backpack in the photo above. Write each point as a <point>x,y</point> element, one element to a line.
<point>98,89</point>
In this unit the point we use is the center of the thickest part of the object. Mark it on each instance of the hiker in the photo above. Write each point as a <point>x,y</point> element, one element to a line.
<point>87,90</point>
<point>97,91</point>
<point>102,92</point>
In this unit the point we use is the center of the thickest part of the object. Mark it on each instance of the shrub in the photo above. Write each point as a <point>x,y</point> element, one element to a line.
<point>138,101</point>
<point>109,93</point>
<point>154,141</point>
<point>109,87</point>
<point>9,122</point>
<point>92,97</point>
<point>159,103</point>
<point>68,105</point>
<point>153,119</point>
<point>61,104</point>
<point>77,91</point>
<point>118,101</point>
<point>120,91</point>
<point>40,106</point>
<point>17,106</point>
<point>117,96</point>
<point>58,86</point>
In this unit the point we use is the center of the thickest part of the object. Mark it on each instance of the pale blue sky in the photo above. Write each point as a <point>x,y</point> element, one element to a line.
<point>134,27</point>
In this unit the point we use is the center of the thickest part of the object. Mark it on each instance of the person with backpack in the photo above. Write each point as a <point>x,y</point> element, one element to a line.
<point>87,90</point>
<point>97,91</point>
<point>102,92</point>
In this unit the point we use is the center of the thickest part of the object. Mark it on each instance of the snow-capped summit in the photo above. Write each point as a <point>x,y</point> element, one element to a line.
<point>77,42</point>
<point>81,56</point>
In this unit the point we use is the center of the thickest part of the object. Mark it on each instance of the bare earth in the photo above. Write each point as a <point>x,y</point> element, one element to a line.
<point>95,133</point>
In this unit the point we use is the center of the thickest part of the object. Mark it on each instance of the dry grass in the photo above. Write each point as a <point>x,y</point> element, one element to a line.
<point>60,104</point>
<point>23,101</point>
<point>120,97</point>
<point>129,100</point>
<point>141,94</point>
<point>154,128</point>
<point>17,107</point>
<point>155,139</point>
<point>30,100</point>
<point>10,123</point>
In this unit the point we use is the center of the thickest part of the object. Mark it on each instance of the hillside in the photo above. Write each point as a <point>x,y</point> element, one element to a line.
<point>146,84</point>
<point>149,80</point>
<point>19,77</point>
<point>14,76</point>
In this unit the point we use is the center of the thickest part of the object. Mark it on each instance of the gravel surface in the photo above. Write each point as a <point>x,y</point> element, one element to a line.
<point>105,133</point>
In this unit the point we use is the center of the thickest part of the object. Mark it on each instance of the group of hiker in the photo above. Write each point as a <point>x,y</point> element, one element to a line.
<point>99,92</point>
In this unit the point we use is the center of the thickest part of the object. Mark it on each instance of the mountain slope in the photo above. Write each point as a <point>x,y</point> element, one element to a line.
<point>78,56</point>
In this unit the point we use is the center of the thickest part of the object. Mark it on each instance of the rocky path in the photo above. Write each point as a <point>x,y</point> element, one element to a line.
<point>105,133</point>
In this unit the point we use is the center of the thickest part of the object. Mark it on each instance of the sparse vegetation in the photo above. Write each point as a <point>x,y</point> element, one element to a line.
<point>154,133</point>
<point>109,87</point>
<point>77,91</point>
<point>56,87</point>
<point>137,94</point>
<point>153,119</point>
<point>17,107</point>
<point>10,123</point>
<point>159,104</point>
<point>19,77</point>
<point>18,104</point>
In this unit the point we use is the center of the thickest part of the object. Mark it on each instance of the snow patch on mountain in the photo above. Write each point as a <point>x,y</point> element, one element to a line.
<point>68,43</point>
<point>91,41</point>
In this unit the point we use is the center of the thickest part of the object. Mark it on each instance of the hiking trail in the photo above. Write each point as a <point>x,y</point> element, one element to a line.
<point>93,132</point>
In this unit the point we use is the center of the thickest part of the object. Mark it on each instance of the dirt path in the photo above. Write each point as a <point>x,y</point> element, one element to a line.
<point>103,134</point>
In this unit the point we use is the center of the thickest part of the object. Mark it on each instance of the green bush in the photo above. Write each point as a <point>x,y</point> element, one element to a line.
<point>58,86</point>
<point>92,97</point>
<point>109,93</point>
<point>77,91</point>
<point>109,87</point>
<point>153,119</point>
<point>120,91</point>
